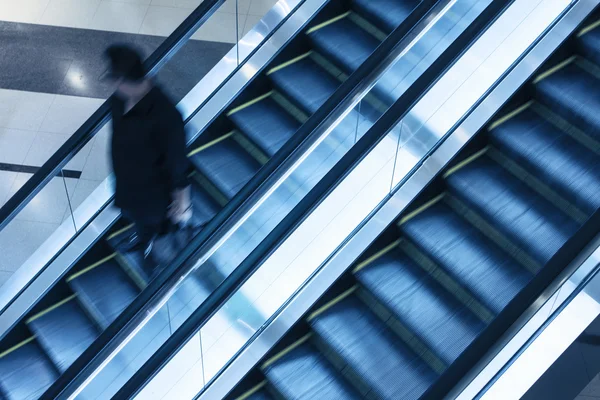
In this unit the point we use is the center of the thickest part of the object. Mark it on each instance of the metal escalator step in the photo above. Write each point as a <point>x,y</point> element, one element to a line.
<point>529,220</point>
<point>26,372</point>
<point>571,92</point>
<point>260,395</point>
<point>471,259</point>
<point>184,301</point>
<point>63,331</point>
<point>445,325</point>
<point>385,14</point>
<point>589,45</point>
<point>226,165</point>
<point>344,43</point>
<point>204,208</point>
<point>305,83</point>
<point>267,124</point>
<point>379,359</point>
<point>304,373</point>
<point>553,156</point>
<point>105,291</point>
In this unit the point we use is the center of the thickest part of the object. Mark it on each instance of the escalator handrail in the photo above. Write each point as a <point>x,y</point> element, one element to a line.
<point>163,285</point>
<point>281,232</point>
<point>96,121</point>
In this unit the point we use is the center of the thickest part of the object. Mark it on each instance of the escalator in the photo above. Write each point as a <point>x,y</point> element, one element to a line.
<point>417,303</point>
<point>262,118</point>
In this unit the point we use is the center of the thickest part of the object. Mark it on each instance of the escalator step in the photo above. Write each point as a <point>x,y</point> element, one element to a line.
<point>385,14</point>
<point>472,260</point>
<point>226,165</point>
<point>570,92</point>
<point>204,208</point>
<point>305,83</point>
<point>363,342</point>
<point>552,155</point>
<point>446,326</point>
<point>589,45</point>
<point>105,291</point>
<point>305,374</point>
<point>529,220</point>
<point>63,331</point>
<point>26,372</point>
<point>344,43</point>
<point>260,395</point>
<point>267,124</point>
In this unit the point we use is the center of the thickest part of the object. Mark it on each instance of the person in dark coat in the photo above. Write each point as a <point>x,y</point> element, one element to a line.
<point>148,152</point>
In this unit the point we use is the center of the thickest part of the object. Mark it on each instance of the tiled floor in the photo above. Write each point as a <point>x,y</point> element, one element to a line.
<point>151,17</point>
<point>32,127</point>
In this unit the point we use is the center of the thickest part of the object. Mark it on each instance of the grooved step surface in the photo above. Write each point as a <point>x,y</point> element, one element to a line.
<point>105,291</point>
<point>344,43</point>
<point>571,93</point>
<point>267,124</point>
<point>387,15</point>
<point>589,45</point>
<point>227,165</point>
<point>552,156</point>
<point>467,256</point>
<point>423,306</point>
<point>532,222</point>
<point>304,374</point>
<point>305,83</point>
<point>203,206</point>
<point>64,333</point>
<point>363,342</point>
<point>26,373</point>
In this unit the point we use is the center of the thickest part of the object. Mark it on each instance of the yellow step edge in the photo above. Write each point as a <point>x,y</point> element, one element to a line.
<point>421,209</point>
<point>117,233</point>
<point>328,22</point>
<point>333,302</point>
<point>248,104</point>
<point>253,390</point>
<point>375,256</point>
<point>285,351</point>
<point>207,145</point>
<point>288,63</point>
<point>466,161</point>
<point>588,28</point>
<point>17,346</point>
<point>554,69</point>
<point>91,267</point>
<point>510,115</point>
<point>54,307</point>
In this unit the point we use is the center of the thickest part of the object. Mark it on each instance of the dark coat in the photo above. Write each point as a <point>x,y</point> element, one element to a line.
<point>148,153</point>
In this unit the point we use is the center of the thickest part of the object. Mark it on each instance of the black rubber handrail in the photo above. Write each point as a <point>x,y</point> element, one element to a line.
<point>94,355</point>
<point>280,233</point>
<point>52,167</point>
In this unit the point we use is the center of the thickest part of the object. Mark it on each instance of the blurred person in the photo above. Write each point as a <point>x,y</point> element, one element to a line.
<point>149,158</point>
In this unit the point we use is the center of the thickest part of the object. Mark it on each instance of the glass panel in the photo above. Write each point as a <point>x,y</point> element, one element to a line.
<point>30,236</point>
